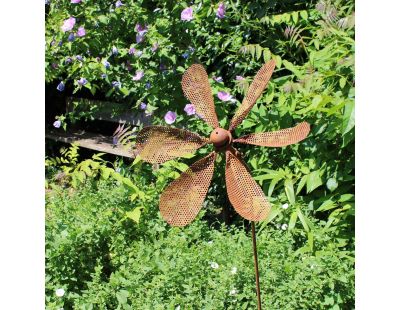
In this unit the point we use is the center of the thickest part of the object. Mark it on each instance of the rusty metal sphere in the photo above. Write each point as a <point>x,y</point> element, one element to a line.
<point>221,138</point>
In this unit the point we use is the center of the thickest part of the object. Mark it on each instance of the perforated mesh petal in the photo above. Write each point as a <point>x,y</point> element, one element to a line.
<point>254,92</point>
<point>197,89</point>
<point>182,200</point>
<point>277,138</point>
<point>157,144</point>
<point>245,195</point>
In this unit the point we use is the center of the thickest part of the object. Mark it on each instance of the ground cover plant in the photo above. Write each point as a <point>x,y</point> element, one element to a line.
<point>106,245</point>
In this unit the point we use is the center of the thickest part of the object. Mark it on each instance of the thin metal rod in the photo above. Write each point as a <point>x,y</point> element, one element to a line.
<point>253,234</point>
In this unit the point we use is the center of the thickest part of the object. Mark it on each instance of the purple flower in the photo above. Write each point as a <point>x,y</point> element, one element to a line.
<point>218,79</point>
<point>118,4</point>
<point>187,14</point>
<point>154,47</point>
<point>221,10</point>
<point>57,124</point>
<point>81,32</point>
<point>143,106</point>
<point>103,75</point>
<point>106,64</point>
<point>224,96</point>
<point>68,60</point>
<point>170,117</point>
<point>60,43</point>
<point>190,109</point>
<point>115,142</point>
<point>82,81</point>
<point>139,38</point>
<point>71,37</point>
<point>138,76</point>
<point>141,29</point>
<point>54,65</point>
<point>116,84</point>
<point>61,86</point>
<point>75,1</point>
<point>132,50</point>
<point>68,24</point>
<point>138,53</point>
<point>239,78</point>
<point>79,57</point>
<point>148,85</point>
<point>114,50</point>
<point>163,67</point>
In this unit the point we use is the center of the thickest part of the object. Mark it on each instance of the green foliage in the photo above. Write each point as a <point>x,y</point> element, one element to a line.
<point>104,261</point>
<point>310,184</point>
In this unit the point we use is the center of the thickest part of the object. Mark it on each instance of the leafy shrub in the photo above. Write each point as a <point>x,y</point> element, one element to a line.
<point>313,46</point>
<point>105,261</point>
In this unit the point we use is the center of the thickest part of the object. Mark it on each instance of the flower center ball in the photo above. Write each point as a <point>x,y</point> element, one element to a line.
<point>221,138</point>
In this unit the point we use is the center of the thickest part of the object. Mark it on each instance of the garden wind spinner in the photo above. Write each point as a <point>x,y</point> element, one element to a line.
<point>182,200</point>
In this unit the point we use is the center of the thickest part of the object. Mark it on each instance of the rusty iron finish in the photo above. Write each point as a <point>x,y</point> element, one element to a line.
<point>254,92</point>
<point>182,200</point>
<point>253,237</point>
<point>277,138</point>
<point>244,193</point>
<point>157,144</point>
<point>221,138</point>
<point>197,90</point>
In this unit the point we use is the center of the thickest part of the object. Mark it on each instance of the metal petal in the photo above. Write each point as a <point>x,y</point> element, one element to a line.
<point>197,89</point>
<point>254,92</point>
<point>245,195</point>
<point>182,200</point>
<point>277,138</point>
<point>157,144</point>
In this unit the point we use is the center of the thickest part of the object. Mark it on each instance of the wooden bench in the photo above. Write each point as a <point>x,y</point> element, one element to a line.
<point>117,113</point>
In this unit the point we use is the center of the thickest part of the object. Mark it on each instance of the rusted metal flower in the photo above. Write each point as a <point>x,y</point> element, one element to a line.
<point>182,200</point>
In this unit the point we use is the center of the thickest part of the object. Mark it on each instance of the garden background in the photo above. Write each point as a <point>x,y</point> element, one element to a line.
<point>106,244</point>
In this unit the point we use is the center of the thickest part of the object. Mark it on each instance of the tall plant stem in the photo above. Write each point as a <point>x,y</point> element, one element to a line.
<point>253,234</point>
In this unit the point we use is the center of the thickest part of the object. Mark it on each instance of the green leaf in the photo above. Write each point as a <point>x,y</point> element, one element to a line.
<point>259,51</point>
<point>327,205</point>
<point>105,172</point>
<point>122,297</point>
<point>102,19</point>
<point>124,91</point>
<point>266,54</point>
<point>348,117</point>
<point>272,185</point>
<point>290,191</point>
<point>275,211</point>
<point>346,197</point>
<point>304,15</point>
<point>302,182</point>
<point>342,82</point>
<point>310,241</point>
<point>302,219</point>
<point>278,60</point>
<point>291,67</point>
<point>292,221</point>
<point>134,215</point>
<point>313,181</point>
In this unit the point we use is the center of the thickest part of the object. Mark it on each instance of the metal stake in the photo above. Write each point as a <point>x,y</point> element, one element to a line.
<point>253,234</point>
